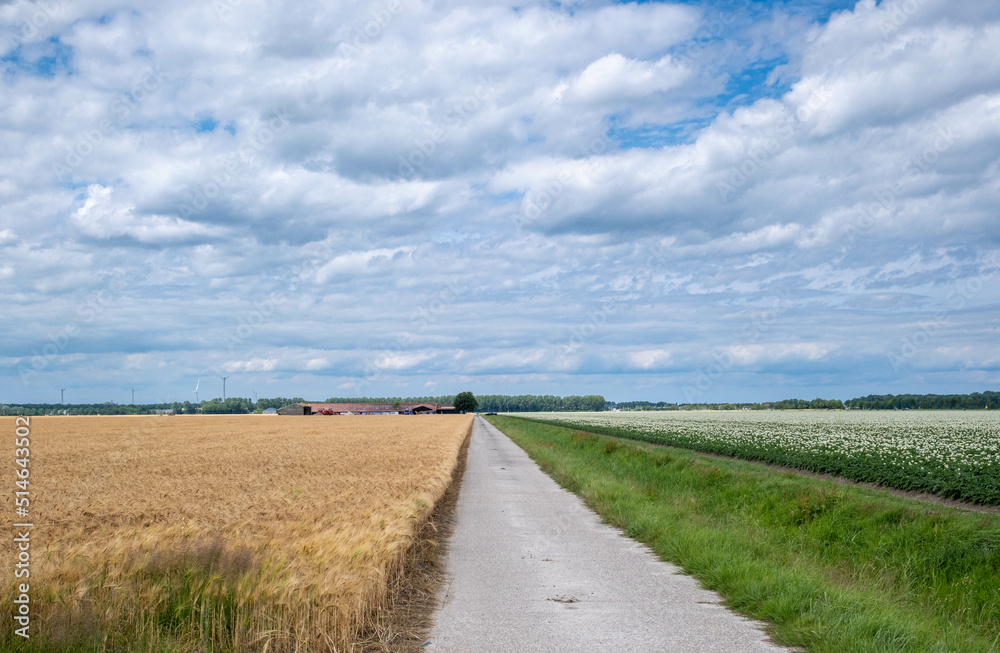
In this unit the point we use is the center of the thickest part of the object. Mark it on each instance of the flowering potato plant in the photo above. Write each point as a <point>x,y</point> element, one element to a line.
<point>954,454</point>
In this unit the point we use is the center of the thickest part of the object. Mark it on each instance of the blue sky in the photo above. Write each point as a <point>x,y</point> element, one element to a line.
<point>692,201</point>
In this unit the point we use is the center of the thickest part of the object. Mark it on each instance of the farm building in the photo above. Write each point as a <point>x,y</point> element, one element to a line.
<point>367,409</point>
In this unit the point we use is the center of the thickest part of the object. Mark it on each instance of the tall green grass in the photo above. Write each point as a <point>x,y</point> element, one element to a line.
<point>830,568</point>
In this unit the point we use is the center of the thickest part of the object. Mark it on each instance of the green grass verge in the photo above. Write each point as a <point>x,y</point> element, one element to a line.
<point>914,461</point>
<point>830,568</point>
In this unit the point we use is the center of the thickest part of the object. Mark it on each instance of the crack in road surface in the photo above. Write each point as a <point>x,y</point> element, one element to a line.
<point>530,568</point>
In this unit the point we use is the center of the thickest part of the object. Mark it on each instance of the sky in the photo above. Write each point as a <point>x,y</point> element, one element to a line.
<point>687,202</point>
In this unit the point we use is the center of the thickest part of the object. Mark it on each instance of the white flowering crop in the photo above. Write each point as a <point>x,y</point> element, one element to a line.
<point>952,453</point>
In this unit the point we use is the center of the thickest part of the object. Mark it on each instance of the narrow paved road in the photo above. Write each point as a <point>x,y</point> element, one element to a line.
<point>531,568</point>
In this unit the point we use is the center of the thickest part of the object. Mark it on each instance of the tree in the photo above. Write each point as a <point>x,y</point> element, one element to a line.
<point>465,402</point>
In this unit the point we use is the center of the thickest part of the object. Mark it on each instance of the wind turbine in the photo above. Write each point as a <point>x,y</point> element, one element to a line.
<point>133,392</point>
<point>223,382</point>
<point>62,396</point>
<point>197,385</point>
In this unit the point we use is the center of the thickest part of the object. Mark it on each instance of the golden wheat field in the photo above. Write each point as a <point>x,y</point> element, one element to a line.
<point>225,532</point>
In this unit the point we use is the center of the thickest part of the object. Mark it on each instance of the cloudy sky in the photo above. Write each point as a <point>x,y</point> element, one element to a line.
<point>689,201</point>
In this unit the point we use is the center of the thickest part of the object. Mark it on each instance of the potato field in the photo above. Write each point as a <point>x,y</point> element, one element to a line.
<point>955,454</point>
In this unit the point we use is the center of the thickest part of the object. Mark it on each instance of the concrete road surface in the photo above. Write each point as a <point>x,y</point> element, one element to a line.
<point>531,568</point>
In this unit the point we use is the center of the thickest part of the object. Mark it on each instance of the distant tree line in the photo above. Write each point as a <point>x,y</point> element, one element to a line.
<point>495,403</point>
<point>974,401</point>
<point>523,403</point>
<point>278,402</point>
<point>539,403</point>
<point>641,405</point>
<point>443,399</point>
<point>232,405</point>
<point>236,405</point>
<point>784,404</point>
<point>813,404</point>
<point>107,408</point>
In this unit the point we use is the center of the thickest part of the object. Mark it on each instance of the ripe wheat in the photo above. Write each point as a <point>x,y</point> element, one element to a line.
<point>226,532</point>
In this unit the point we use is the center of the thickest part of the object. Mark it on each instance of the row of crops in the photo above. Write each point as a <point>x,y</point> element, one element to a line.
<point>955,454</point>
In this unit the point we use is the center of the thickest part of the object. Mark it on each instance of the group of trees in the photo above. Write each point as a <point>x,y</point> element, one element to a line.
<point>465,402</point>
<point>974,401</point>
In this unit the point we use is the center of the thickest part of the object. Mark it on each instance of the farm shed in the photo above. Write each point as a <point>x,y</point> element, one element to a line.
<point>294,409</point>
<point>403,408</point>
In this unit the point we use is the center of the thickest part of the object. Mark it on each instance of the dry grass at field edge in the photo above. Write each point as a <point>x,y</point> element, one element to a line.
<point>407,620</point>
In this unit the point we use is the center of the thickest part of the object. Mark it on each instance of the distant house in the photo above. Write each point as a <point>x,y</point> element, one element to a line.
<point>368,409</point>
<point>269,411</point>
